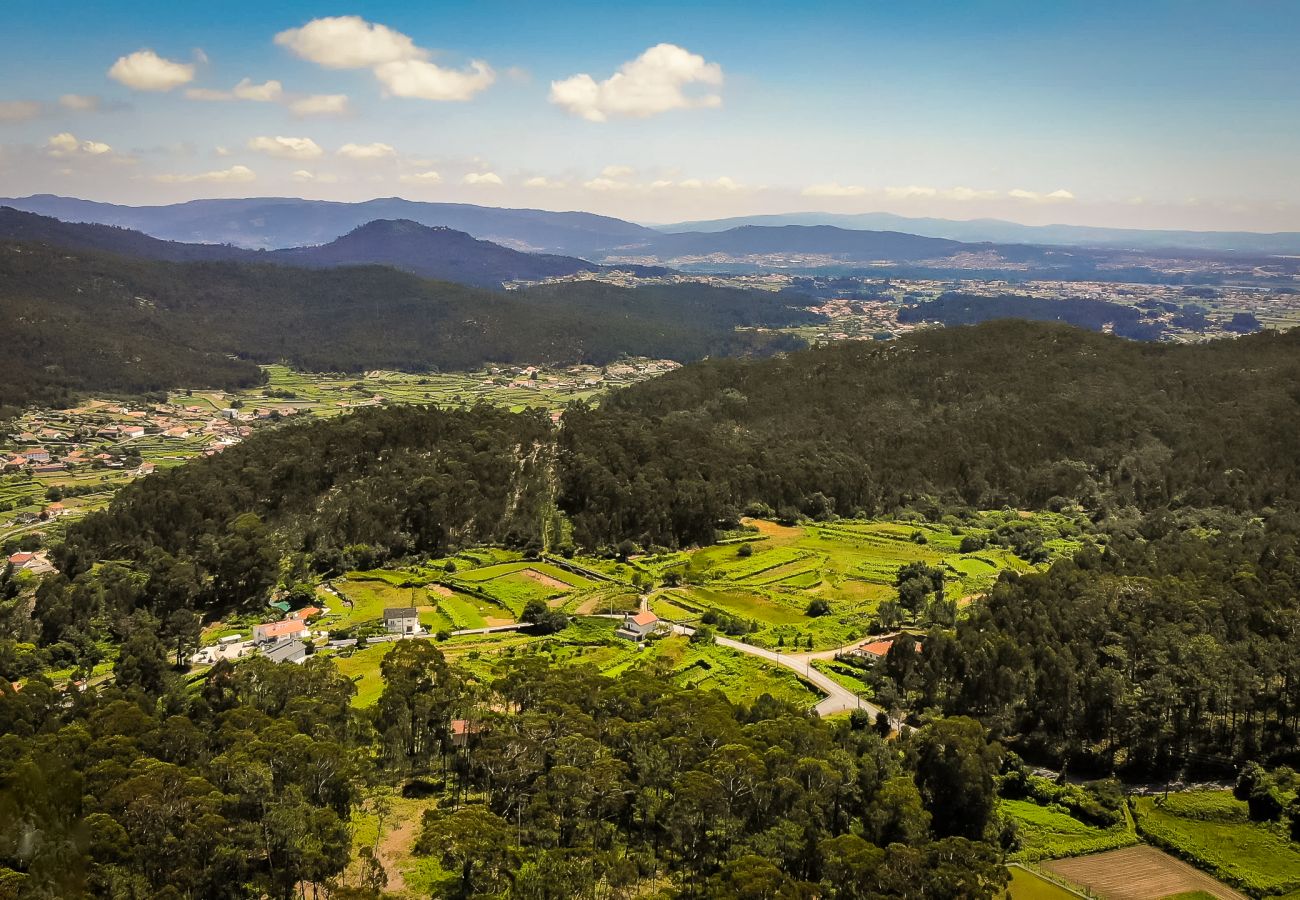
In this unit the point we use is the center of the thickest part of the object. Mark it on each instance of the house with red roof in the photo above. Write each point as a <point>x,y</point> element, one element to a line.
<point>638,626</point>
<point>271,632</point>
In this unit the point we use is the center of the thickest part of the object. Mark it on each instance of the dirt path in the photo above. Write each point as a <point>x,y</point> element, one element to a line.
<point>545,580</point>
<point>396,845</point>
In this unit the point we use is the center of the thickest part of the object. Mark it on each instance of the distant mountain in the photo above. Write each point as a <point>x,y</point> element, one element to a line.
<point>441,253</point>
<point>77,321</point>
<point>1001,231</point>
<point>816,239</point>
<point>279,222</point>
<point>433,252</point>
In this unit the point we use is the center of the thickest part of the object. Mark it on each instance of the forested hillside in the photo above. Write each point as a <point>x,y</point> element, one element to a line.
<point>1006,413</point>
<point>79,321</point>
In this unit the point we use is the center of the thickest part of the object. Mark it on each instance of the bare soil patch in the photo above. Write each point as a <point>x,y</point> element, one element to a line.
<point>546,580</point>
<point>1138,873</point>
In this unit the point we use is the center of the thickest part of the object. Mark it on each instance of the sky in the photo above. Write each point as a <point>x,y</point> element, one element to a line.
<point>1180,114</point>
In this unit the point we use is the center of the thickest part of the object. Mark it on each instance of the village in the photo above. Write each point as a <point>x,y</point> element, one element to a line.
<point>59,464</point>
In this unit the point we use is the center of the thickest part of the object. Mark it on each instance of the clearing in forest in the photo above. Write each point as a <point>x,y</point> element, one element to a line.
<point>1138,873</point>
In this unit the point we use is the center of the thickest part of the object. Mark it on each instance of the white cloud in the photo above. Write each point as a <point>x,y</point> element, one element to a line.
<point>304,176</point>
<point>349,42</point>
<point>222,151</point>
<point>541,181</point>
<point>404,70</point>
<point>423,80</point>
<point>145,70</point>
<point>19,110</point>
<point>722,184</point>
<point>1057,196</point>
<point>64,145</point>
<point>267,92</point>
<point>834,189</point>
<point>367,151</point>
<point>286,147</point>
<point>320,105</point>
<point>233,175</point>
<point>80,102</point>
<point>425,178</point>
<point>660,184</point>
<point>617,171</point>
<point>605,184</point>
<point>965,193</point>
<point>910,191</point>
<point>482,178</point>
<point>652,83</point>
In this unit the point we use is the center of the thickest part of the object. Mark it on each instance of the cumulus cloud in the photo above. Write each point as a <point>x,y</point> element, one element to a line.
<point>234,175</point>
<point>482,178</point>
<point>367,151</point>
<point>834,189</point>
<point>348,42</point>
<point>80,102</point>
<point>421,178</point>
<point>320,105</point>
<point>424,80</point>
<point>267,92</point>
<point>286,147</point>
<point>617,171</point>
<point>722,184</point>
<point>19,110</point>
<point>1057,196</point>
<point>402,67</point>
<point>655,82</point>
<point>145,70</point>
<point>605,184</point>
<point>910,191</point>
<point>541,181</point>
<point>65,145</point>
<point>302,175</point>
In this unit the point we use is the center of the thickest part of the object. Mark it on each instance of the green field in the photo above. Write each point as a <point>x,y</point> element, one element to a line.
<point>1049,832</point>
<point>1211,830</point>
<point>1026,885</point>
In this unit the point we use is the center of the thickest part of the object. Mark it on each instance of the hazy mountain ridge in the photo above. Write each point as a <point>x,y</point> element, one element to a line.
<point>432,252</point>
<point>1001,230</point>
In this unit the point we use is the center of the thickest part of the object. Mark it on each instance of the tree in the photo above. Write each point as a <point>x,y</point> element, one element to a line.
<point>955,768</point>
<point>472,842</point>
<point>817,607</point>
<point>413,714</point>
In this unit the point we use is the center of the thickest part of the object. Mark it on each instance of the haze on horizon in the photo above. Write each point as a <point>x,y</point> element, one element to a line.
<point>1151,115</point>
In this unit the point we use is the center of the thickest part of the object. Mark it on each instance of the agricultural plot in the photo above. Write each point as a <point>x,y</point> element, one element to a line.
<point>1027,885</point>
<point>1211,828</point>
<point>852,566</point>
<point>1139,873</point>
<point>1046,832</point>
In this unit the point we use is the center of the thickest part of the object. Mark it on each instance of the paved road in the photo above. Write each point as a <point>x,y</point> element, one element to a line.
<point>838,698</point>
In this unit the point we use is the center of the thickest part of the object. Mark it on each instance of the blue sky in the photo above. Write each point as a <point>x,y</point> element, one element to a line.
<point>1153,114</point>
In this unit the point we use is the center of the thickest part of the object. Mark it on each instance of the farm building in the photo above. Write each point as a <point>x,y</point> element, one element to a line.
<point>294,651</point>
<point>283,630</point>
<point>402,620</point>
<point>638,626</point>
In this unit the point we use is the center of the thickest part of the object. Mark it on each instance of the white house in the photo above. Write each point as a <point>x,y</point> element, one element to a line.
<point>402,620</point>
<point>279,631</point>
<point>638,626</point>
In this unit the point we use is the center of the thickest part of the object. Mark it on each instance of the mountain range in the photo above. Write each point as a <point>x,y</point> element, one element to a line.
<point>281,222</point>
<point>433,252</point>
<point>1002,231</point>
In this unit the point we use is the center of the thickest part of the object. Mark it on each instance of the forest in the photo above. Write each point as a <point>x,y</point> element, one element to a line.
<point>80,321</point>
<point>1162,648</point>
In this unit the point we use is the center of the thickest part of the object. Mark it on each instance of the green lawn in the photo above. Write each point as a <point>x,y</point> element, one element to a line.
<point>1026,885</point>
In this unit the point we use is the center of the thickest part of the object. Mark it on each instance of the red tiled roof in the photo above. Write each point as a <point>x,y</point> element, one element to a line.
<point>280,629</point>
<point>645,618</point>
